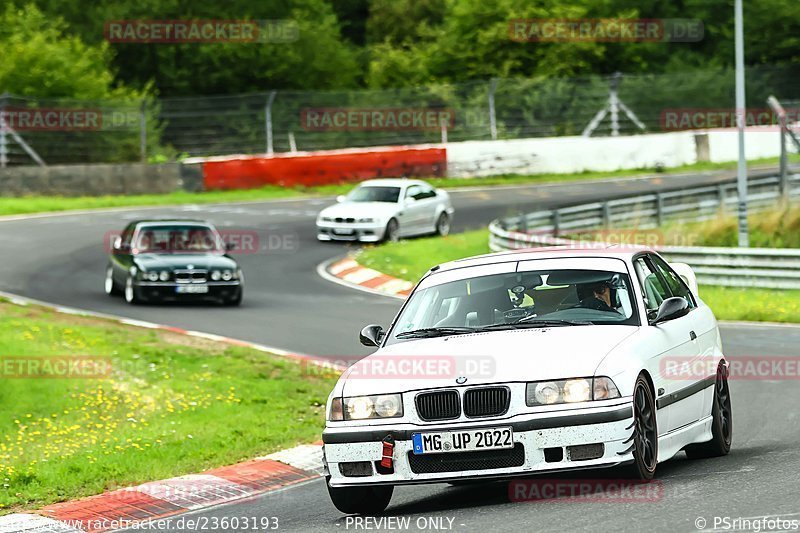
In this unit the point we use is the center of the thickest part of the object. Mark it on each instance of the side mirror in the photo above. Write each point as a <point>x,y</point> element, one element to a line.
<point>118,246</point>
<point>670,308</point>
<point>410,199</point>
<point>371,335</point>
<point>341,198</point>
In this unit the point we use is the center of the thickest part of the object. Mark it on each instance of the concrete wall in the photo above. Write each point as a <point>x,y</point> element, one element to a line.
<point>90,180</point>
<point>758,143</point>
<point>561,155</point>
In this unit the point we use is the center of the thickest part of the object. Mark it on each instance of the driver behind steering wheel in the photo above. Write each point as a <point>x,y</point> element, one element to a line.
<point>598,297</point>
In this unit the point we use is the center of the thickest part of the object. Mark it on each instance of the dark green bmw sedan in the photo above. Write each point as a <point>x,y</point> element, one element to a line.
<point>158,260</point>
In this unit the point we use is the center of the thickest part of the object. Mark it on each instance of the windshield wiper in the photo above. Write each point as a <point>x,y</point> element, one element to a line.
<point>434,332</point>
<point>533,321</point>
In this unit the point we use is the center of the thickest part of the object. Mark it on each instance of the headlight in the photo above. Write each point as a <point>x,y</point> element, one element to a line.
<point>216,275</point>
<point>577,390</point>
<point>164,275</point>
<point>365,220</point>
<point>336,413</point>
<point>570,391</point>
<point>227,275</point>
<point>326,219</point>
<point>604,389</point>
<point>381,406</point>
<point>152,276</point>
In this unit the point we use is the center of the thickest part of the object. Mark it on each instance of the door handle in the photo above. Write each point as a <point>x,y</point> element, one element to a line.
<point>692,335</point>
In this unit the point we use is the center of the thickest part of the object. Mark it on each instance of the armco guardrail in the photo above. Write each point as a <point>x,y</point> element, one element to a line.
<point>733,267</point>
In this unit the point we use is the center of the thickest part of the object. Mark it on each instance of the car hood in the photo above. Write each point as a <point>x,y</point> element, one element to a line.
<point>359,209</point>
<point>151,261</point>
<point>494,357</point>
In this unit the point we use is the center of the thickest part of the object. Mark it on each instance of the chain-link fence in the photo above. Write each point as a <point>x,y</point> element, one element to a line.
<point>55,131</point>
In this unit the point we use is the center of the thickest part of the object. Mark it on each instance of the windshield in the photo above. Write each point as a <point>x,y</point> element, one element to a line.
<point>375,194</point>
<point>519,299</point>
<point>177,239</point>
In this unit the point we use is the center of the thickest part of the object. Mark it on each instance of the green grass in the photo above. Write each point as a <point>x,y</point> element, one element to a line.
<point>172,405</point>
<point>38,204</point>
<point>774,229</point>
<point>412,258</point>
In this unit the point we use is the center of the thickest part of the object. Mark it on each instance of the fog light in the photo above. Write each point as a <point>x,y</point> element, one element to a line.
<point>356,469</point>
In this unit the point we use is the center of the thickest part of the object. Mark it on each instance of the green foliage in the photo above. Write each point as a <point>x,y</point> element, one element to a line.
<point>41,59</point>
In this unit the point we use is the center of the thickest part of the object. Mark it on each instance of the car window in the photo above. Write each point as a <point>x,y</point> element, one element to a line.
<point>653,291</point>
<point>599,297</point>
<point>413,191</point>
<point>675,284</point>
<point>177,239</point>
<point>127,234</point>
<point>375,194</point>
<point>424,192</point>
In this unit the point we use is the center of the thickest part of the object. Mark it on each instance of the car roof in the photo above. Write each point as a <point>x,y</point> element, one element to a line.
<point>391,182</point>
<point>176,221</point>
<point>614,251</point>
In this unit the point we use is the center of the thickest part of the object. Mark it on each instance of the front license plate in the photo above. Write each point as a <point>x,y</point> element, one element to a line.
<point>471,440</point>
<point>343,232</point>
<point>191,289</point>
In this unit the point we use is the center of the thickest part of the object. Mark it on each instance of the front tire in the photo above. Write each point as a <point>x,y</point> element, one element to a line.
<point>131,292</point>
<point>645,432</point>
<point>392,233</point>
<point>235,300</point>
<point>443,225</point>
<point>111,285</point>
<point>366,500</point>
<point>721,424</point>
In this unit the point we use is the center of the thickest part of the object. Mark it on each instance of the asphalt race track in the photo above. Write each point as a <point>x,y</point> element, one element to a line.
<point>61,259</point>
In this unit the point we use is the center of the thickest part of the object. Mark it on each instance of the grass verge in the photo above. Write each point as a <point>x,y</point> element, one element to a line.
<point>38,204</point>
<point>171,405</point>
<point>412,258</point>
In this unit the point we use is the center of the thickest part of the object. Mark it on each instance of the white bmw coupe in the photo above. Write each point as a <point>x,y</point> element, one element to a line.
<point>526,362</point>
<point>386,209</point>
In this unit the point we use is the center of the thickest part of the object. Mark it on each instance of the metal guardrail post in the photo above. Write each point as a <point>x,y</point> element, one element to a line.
<point>659,209</point>
<point>143,132</point>
<point>606,215</point>
<point>492,116</point>
<point>556,223</point>
<point>721,194</point>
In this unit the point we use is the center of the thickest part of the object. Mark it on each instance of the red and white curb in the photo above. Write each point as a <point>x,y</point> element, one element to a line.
<point>159,500</point>
<point>351,274</point>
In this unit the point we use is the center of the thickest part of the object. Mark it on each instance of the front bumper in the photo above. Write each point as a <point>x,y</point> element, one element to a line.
<point>168,290</point>
<point>537,440</point>
<point>332,231</point>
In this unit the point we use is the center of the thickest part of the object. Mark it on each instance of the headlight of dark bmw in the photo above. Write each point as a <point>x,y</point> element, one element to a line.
<point>573,390</point>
